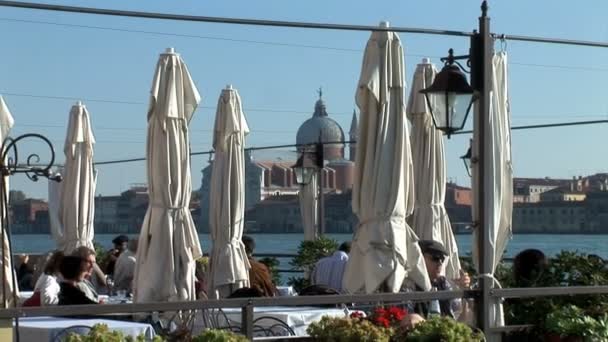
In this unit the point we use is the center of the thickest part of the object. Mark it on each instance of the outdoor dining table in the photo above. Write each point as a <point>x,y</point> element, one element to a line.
<point>40,329</point>
<point>298,318</point>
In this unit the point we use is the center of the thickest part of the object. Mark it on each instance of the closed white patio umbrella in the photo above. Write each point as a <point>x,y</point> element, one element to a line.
<point>8,292</point>
<point>498,180</point>
<point>76,207</point>
<point>308,196</point>
<point>229,264</point>
<point>385,248</point>
<point>430,220</point>
<point>168,242</point>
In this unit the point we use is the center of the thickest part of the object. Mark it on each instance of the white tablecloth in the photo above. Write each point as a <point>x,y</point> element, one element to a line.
<point>286,291</point>
<point>23,296</point>
<point>297,318</point>
<point>41,329</point>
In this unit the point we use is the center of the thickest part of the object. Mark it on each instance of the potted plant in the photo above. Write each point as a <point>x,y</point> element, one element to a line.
<point>101,332</point>
<point>570,324</point>
<point>347,329</point>
<point>219,335</point>
<point>439,329</point>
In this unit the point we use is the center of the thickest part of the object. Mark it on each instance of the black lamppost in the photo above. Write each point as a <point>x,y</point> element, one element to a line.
<point>450,99</point>
<point>466,159</point>
<point>309,163</point>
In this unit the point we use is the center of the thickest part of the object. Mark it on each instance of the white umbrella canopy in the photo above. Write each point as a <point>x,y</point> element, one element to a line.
<point>168,242</point>
<point>54,193</point>
<point>430,220</point>
<point>498,180</point>
<point>8,292</point>
<point>229,264</point>
<point>76,207</point>
<point>308,196</point>
<point>385,248</point>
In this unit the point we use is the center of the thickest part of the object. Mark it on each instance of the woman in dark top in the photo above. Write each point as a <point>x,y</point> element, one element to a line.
<point>73,270</point>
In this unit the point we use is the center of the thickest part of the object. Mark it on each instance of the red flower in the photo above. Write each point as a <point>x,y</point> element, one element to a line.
<point>380,312</point>
<point>383,321</point>
<point>396,313</point>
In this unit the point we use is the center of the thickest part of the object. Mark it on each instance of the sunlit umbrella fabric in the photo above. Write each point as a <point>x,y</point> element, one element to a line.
<point>168,242</point>
<point>384,248</point>
<point>8,293</point>
<point>498,180</point>
<point>229,264</point>
<point>430,220</point>
<point>77,205</point>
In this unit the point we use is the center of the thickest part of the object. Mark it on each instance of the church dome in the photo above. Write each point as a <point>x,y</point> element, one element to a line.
<point>320,126</point>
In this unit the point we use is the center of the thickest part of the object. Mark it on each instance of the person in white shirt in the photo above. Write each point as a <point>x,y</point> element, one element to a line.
<point>329,270</point>
<point>124,270</point>
<point>48,283</point>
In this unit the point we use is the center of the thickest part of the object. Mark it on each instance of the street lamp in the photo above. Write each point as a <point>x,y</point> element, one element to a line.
<point>311,162</point>
<point>304,170</point>
<point>466,159</point>
<point>450,97</point>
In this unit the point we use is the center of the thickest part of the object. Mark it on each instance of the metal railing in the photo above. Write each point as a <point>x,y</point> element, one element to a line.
<point>247,305</point>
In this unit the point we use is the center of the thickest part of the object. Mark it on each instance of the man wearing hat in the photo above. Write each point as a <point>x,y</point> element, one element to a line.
<point>434,258</point>
<point>120,244</point>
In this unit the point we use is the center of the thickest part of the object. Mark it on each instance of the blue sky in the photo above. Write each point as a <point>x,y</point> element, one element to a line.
<point>277,72</point>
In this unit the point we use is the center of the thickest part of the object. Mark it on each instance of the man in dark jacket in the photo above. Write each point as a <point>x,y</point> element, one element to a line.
<point>434,256</point>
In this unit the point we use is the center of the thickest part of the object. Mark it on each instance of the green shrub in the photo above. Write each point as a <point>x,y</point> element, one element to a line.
<point>342,329</point>
<point>440,329</point>
<point>217,335</point>
<point>101,333</point>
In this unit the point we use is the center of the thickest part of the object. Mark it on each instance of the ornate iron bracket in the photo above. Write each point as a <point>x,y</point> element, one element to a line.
<point>9,159</point>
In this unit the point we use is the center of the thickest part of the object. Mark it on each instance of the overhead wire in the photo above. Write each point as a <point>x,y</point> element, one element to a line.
<point>283,44</point>
<point>275,147</point>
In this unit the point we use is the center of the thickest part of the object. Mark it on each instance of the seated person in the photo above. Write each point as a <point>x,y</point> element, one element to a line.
<point>434,256</point>
<point>329,270</point>
<point>92,272</point>
<point>528,266</point>
<point>48,284</point>
<point>120,245</point>
<point>73,270</point>
<point>124,270</point>
<point>25,273</point>
<point>246,292</point>
<point>259,274</point>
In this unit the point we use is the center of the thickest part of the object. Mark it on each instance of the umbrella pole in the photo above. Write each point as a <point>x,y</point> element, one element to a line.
<point>482,44</point>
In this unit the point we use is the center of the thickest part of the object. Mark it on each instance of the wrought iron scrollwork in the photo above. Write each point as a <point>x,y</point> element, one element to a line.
<point>10,162</point>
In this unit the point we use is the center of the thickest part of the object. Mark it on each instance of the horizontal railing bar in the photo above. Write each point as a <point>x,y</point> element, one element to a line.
<point>275,255</point>
<point>512,328</point>
<point>548,291</point>
<point>231,303</point>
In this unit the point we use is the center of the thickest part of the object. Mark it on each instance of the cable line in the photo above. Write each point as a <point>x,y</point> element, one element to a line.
<point>275,147</point>
<point>289,24</point>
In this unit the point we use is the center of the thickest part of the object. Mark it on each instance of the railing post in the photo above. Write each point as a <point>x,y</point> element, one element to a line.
<point>247,320</point>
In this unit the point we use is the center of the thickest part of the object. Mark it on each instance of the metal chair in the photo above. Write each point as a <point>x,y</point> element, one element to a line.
<point>275,328</point>
<point>76,329</point>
